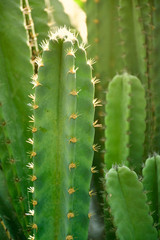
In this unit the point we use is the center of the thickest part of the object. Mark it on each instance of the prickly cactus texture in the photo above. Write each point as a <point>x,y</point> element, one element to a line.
<point>62,141</point>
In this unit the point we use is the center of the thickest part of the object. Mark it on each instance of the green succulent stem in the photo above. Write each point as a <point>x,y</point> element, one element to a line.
<point>64,97</point>
<point>125,122</point>
<point>126,192</point>
<point>151,182</point>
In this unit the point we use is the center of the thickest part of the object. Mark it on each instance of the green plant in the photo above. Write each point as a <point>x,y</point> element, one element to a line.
<point>47,145</point>
<point>124,38</point>
<point>126,192</point>
<point>125,122</point>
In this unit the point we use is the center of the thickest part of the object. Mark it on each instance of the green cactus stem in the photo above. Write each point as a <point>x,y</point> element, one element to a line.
<point>125,122</point>
<point>156,75</point>
<point>132,38</point>
<point>151,182</point>
<point>66,132</point>
<point>15,69</point>
<point>84,147</point>
<point>128,205</point>
<point>105,48</point>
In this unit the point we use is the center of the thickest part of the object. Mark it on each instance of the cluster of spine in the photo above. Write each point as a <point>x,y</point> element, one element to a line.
<point>63,133</point>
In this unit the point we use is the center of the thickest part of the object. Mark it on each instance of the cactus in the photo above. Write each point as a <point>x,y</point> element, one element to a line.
<point>131,217</point>
<point>124,36</point>
<point>68,129</point>
<point>47,152</point>
<point>15,87</point>
<point>125,122</point>
<point>130,44</point>
<point>151,184</point>
<point>63,100</point>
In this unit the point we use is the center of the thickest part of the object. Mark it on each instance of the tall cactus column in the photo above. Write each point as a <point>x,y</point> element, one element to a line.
<point>61,133</point>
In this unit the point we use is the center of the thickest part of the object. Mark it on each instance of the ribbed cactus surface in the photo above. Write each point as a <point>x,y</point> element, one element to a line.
<point>128,205</point>
<point>125,122</point>
<point>62,141</point>
<point>151,182</point>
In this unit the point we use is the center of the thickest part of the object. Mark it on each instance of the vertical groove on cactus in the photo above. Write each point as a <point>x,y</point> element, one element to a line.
<point>132,38</point>
<point>126,192</point>
<point>92,9</point>
<point>125,122</point>
<point>151,182</point>
<point>147,21</point>
<point>84,151</point>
